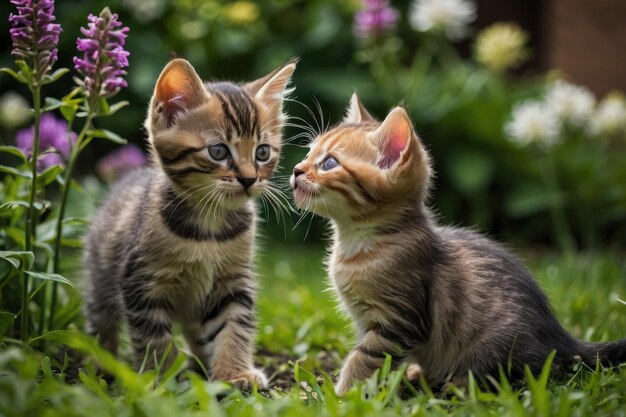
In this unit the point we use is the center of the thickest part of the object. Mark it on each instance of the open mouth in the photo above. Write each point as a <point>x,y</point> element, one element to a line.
<point>302,191</point>
<point>301,195</point>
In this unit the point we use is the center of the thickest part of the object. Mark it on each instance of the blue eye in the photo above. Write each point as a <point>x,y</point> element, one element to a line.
<point>329,163</point>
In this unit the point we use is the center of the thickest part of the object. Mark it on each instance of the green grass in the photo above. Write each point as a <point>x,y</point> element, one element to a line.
<point>303,337</point>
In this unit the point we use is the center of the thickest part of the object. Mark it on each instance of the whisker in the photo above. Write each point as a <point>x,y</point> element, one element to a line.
<point>208,200</point>
<point>189,190</point>
<point>265,208</point>
<point>307,108</point>
<point>187,197</point>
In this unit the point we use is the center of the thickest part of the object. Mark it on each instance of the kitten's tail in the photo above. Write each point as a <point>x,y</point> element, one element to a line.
<point>609,353</point>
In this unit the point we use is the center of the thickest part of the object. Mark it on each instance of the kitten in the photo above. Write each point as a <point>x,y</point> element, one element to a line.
<point>446,300</point>
<point>175,241</point>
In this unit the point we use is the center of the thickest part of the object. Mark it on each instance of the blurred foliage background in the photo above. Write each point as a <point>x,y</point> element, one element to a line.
<point>459,107</point>
<point>518,152</point>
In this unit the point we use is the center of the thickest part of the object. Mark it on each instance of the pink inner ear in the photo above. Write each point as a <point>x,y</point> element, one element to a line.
<point>392,147</point>
<point>172,107</point>
<point>174,91</point>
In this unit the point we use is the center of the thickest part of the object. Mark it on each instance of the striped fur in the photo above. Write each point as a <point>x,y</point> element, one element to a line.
<point>174,242</point>
<point>446,300</point>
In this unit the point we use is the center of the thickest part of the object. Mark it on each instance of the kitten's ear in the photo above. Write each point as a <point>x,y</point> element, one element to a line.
<point>179,88</point>
<point>356,112</point>
<point>272,88</point>
<point>393,136</point>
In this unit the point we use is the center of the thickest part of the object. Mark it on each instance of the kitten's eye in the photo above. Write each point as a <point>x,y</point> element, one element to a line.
<point>218,152</point>
<point>263,153</point>
<point>329,163</point>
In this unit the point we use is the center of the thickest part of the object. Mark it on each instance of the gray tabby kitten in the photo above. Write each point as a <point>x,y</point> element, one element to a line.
<point>446,300</point>
<point>175,241</point>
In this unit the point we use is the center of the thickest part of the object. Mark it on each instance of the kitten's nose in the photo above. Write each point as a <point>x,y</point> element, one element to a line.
<point>297,171</point>
<point>246,181</point>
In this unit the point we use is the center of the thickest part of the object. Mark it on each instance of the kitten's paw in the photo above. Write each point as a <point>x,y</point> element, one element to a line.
<point>414,372</point>
<point>342,387</point>
<point>246,380</point>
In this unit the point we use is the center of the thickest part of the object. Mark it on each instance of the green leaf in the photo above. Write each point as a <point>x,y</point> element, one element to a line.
<point>72,243</point>
<point>50,277</point>
<point>75,221</point>
<point>134,383</point>
<point>50,78</point>
<point>46,368</point>
<point>68,112</point>
<point>67,106</point>
<point>70,105</point>
<point>46,247</point>
<point>394,380</point>
<point>73,94</point>
<point>14,151</point>
<point>19,172</point>
<point>328,389</point>
<point>116,107</point>
<point>10,72</point>
<point>52,104</point>
<point>26,71</point>
<point>67,313</point>
<point>179,364</point>
<point>16,234</point>
<point>17,75</point>
<point>49,175</point>
<point>107,134</point>
<point>75,186</point>
<point>20,260</point>
<point>12,205</point>
<point>6,321</point>
<point>386,368</point>
<point>90,379</point>
<point>104,105</point>
<point>307,382</point>
<point>6,269</point>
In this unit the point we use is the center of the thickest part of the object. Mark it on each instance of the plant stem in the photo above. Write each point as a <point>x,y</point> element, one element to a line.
<point>31,213</point>
<point>76,149</point>
<point>559,219</point>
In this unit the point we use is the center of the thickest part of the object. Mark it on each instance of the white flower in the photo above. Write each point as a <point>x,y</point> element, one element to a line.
<point>610,117</point>
<point>532,121</point>
<point>14,110</point>
<point>501,46</point>
<point>571,103</point>
<point>449,16</point>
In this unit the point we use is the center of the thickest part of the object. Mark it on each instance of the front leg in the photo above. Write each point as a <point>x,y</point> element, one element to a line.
<point>149,325</point>
<point>367,356</point>
<point>228,333</point>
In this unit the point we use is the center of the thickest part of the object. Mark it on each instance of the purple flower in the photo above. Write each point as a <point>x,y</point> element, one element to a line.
<point>120,162</point>
<point>376,18</point>
<point>104,59</point>
<point>33,34</point>
<point>54,141</point>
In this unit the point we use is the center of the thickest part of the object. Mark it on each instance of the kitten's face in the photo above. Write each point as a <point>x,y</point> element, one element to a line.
<point>220,142</point>
<point>362,170</point>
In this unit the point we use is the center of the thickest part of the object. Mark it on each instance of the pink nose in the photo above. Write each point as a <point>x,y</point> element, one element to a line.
<point>297,171</point>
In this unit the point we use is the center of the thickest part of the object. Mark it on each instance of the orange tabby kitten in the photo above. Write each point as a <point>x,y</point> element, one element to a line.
<point>447,300</point>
